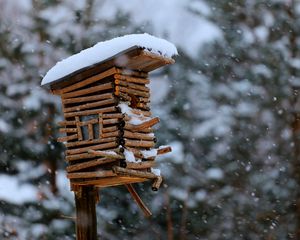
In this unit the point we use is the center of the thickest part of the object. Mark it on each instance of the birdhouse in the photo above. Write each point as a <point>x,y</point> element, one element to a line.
<point>108,124</point>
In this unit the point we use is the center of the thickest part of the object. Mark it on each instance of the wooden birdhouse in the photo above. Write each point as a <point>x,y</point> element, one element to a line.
<point>107,123</point>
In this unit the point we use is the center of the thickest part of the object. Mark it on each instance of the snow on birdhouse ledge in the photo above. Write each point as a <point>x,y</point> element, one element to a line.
<point>139,52</point>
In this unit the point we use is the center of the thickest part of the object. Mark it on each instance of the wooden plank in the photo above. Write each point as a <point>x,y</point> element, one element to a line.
<point>109,181</point>
<point>132,79</point>
<point>88,98</point>
<point>137,93</point>
<point>100,174</point>
<point>100,125</point>
<point>86,91</point>
<point>88,164</point>
<point>90,105</point>
<point>75,154</point>
<point>140,165</point>
<point>68,130</point>
<point>131,72</point>
<point>94,141</point>
<point>67,138</point>
<point>140,136</point>
<point>135,143</point>
<point>141,126</point>
<point>112,115</point>
<point>90,131</point>
<point>107,154</point>
<point>109,129</point>
<point>79,132</point>
<point>133,173</point>
<point>90,112</point>
<point>89,80</point>
<point>132,85</point>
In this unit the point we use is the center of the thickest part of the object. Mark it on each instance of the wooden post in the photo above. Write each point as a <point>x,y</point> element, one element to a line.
<point>86,221</point>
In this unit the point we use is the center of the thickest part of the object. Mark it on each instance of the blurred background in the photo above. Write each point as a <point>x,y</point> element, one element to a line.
<point>229,107</point>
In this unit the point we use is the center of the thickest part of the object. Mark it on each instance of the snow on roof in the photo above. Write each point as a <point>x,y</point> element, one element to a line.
<point>104,50</point>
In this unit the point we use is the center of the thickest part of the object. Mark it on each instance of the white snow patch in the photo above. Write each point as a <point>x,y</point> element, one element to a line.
<point>11,190</point>
<point>129,156</point>
<point>155,171</point>
<point>215,173</point>
<point>149,153</point>
<point>135,119</point>
<point>104,50</point>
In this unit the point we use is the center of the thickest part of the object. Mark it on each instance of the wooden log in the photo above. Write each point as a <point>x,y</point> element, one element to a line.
<point>74,154</point>
<point>138,200</point>
<point>141,126</point>
<point>123,96</point>
<point>79,132</point>
<point>89,80</point>
<point>110,121</point>
<point>111,134</point>
<point>90,105</point>
<point>86,91</point>
<point>132,91</point>
<point>112,115</point>
<point>90,131</point>
<point>100,174</point>
<point>140,136</point>
<point>129,72</point>
<point>132,85</point>
<point>133,173</point>
<point>143,106</point>
<point>109,129</point>
<point>107,154</point>
<point>156,184</point>
<point>67,138</point>
<point>88,164</point>
<point>90,112</point>
<point>144,100</point>
<point>163,150</point>
<point>68,130</point>
<point>139,80</point>
<point>87,98</point>
<point>142,144</point>
<point>100,125</point>
<point>90,142</point>
<point>141,112</point>
<point>140,165</point>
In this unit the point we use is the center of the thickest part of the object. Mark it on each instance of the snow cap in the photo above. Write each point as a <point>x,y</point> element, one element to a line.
<point>107,49</point>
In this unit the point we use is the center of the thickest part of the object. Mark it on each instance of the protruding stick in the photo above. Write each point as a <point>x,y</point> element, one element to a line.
<point>138,200</point>
<point>156,184</point>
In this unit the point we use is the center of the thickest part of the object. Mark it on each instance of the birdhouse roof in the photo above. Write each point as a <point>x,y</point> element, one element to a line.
<point>141,52</point>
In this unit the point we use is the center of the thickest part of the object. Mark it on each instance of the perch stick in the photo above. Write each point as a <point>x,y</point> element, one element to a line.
<point>138,200</point>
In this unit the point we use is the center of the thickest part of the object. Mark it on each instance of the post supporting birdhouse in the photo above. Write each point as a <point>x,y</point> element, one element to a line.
<point>86,220</point>
<point>108,125</point>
